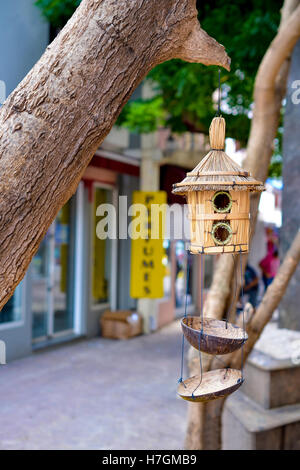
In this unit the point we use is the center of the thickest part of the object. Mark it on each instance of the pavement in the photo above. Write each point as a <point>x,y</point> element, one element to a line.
<point>96,394</point>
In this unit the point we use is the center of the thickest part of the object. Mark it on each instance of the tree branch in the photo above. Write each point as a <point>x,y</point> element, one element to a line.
<point>52,124</point>
<point>200,47</point>
<point>281,46</point>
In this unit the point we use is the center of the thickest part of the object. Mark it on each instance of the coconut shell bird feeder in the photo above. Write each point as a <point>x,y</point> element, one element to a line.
<point>215,384</point>
<point>218,197</point>
<point>213,336</point>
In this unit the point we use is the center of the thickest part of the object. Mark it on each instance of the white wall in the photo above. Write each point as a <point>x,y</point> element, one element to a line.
<point>24,36</point>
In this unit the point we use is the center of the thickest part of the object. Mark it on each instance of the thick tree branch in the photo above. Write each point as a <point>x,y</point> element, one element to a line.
<point>269,90</point>
<point>282,44</point>
<point>52,124</point>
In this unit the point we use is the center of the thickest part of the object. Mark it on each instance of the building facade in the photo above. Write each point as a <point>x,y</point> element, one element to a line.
<point>75,275</point>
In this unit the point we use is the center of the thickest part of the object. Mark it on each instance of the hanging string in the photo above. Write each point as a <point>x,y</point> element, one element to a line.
<point>201,318</point>
<point>243,307</point>
<point>187,275</point>
<point>243,310</point>
<point>219,94</point>
<point>235,290</point>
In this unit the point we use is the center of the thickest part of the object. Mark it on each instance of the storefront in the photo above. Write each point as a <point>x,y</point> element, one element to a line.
<point>74,275</point>
<point>52,278</point>
<point>173,304</point>
<point>77,274</point>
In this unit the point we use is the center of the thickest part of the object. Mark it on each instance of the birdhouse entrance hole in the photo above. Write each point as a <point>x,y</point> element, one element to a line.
<point>221,233</point>
<point>222,201</point>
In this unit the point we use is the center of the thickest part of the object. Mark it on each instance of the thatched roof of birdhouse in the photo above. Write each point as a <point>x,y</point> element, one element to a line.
<point>217,171</point>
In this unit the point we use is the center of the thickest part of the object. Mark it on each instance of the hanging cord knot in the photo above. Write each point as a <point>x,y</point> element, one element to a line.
<point>243,313</point>
<point>235,290</point>
<point>217,126</point>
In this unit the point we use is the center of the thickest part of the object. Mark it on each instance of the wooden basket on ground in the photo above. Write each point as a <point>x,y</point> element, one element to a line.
<point>120,324</point>
<point>213,336</point>
<point>218,197</point>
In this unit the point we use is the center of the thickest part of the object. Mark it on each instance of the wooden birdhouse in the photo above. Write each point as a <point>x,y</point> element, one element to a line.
<point>218,197</point>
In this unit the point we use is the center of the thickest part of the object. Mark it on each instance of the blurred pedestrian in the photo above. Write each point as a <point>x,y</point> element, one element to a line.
<point>269,266</point>
<point>251,285</point>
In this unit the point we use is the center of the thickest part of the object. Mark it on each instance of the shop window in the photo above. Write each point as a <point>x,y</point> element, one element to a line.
<point>12,310</point>
<point>101,252</point>
<point>52,274</point>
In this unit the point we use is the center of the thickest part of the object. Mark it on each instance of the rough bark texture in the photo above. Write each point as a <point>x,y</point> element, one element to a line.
<point>51,125</point>
<point>270,86</point>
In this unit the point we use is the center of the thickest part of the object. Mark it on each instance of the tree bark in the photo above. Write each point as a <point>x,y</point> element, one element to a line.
<point>204,424</point>
<point>269,90</point>
<point>52,124</point>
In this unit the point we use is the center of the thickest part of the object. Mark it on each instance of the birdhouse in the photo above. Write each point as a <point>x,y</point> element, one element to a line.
<point>218,197</point>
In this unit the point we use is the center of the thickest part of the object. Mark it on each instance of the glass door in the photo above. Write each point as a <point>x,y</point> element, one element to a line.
<point>181,290</point>
<point>52,279</point>
<point>63,271</point>
<point>103,255</point>
<point>40,285</point>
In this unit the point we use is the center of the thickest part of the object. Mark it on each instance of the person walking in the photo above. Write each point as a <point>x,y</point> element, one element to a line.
<point>269,266</point>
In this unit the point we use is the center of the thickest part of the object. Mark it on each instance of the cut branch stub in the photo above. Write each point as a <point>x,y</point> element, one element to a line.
<point>200,47</point>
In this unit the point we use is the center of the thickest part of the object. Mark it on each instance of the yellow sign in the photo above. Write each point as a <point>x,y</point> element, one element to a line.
<point>147,233</point>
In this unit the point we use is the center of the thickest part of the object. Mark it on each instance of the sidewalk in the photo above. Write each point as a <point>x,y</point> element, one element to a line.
<point>96,394</point>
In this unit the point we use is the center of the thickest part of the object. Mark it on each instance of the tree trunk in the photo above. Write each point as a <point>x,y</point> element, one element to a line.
<point>52,124</point>
<point>270,301</point>
<point>204,425</point>
<point>269,90</point>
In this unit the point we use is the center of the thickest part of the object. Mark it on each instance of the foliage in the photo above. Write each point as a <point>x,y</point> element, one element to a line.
<point>246,28</point>
<point>143,115</point>
<point>275,168</point>
<point>183,98</point>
